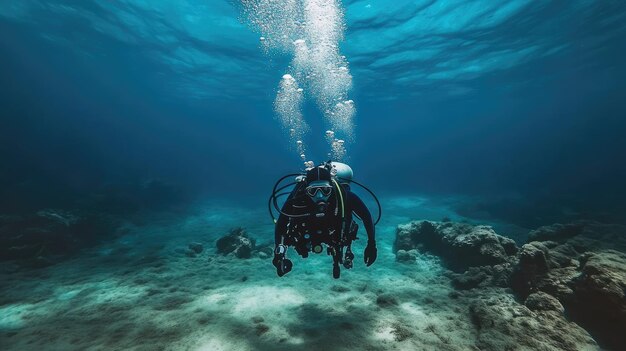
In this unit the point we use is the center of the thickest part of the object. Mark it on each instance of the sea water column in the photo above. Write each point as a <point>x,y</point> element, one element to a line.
<point>288,107</point>
<point>278,23</point>
<point>310,30</point>
<point>327,70</point>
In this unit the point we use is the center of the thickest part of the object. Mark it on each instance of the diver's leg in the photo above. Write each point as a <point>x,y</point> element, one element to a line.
<point>335,253</point>
<point>336,270</point>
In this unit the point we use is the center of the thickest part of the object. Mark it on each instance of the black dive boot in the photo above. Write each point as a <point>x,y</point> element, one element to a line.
<point>336,270</point>
<point>336,262</point>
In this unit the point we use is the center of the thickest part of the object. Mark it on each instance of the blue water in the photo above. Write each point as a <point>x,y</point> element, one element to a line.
<point>513,99</point>
<point>510,113</point>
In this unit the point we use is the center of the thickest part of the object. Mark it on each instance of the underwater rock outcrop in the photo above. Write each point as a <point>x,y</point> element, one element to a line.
<point>504,324</point>
<point>237,242</point>
<point>583,265</point>
<point>600,289</point>
<point>406,256</point>
<point>461,245</point>
<point>42,239</point>
<point>541,301</point>
<point>578,269</point>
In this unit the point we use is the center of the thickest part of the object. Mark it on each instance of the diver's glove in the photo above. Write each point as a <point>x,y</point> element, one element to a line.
<point>282,264</point>
<point>369,256</point>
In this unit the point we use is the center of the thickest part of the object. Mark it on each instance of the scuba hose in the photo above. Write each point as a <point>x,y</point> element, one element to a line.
<point>343,209</point>
<point>275,195</point>
<point>343,206</point>
<point>380,210</point>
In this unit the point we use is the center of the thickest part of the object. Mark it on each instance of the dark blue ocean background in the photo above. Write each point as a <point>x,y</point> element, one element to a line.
<point>134,134</point>
<point>517,104</point>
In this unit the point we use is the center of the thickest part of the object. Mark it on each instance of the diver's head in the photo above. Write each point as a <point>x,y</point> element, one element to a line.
<point>317,173</point>
<point>319,190</point>
<point>318,187</point>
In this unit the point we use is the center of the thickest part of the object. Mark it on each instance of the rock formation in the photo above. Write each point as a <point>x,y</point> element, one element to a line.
<point>576,269</point>
<point>237,242</point>
<point>41,239</point>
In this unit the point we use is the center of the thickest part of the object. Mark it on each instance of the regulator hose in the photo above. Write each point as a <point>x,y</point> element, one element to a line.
<point>380,210</point>
<point>273,197</point>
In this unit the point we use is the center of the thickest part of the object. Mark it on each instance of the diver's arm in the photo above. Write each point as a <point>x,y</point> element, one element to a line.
<point>280,229</point>
<point>361,210</point>
<point>282,264</point>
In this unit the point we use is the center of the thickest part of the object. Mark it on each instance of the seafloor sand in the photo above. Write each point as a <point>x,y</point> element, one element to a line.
<point>142,292</point>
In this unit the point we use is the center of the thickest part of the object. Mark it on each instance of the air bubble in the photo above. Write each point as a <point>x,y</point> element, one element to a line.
<point>309,30</point>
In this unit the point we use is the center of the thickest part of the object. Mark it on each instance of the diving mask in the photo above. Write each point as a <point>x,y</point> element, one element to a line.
<point>313,191</point>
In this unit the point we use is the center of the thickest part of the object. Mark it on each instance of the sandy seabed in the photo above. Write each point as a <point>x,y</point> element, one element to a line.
<point>142,292</point>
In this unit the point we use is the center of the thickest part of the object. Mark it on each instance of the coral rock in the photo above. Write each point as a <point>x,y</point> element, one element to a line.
<point>600,297</point>
<point>503,324</point>
<point>236,242</point>
<point>576,266</point>
<point>461,245</point>
<point>533,258</point>
<point>406,256</point>
<point>541,301</point>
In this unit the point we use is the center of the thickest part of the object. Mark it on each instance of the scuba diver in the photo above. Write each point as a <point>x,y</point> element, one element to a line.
<point>319,212</point>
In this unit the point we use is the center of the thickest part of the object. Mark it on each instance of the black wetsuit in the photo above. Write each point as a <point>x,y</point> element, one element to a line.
<point>304,218</point>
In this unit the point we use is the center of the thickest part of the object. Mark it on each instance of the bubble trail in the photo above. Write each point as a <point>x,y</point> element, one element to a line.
<point>310,31</point>
<point>288,107</point>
